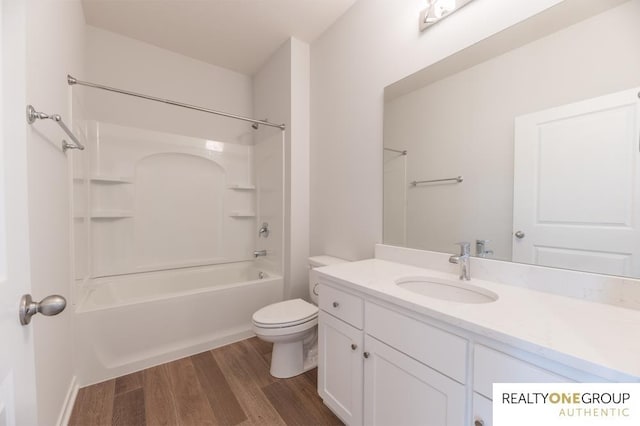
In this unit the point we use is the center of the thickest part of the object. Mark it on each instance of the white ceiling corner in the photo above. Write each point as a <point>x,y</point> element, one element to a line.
<point>235,34</point>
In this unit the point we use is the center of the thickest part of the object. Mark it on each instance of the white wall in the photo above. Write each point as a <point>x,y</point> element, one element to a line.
<point>463,125</point>
<point>128,64</point>
<point>298,242</point>
<point>374,44</point>
<point>281,94</point>
<point>54,48</point>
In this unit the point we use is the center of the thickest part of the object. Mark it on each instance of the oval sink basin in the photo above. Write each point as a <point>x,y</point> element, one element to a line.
<point>443,289</point>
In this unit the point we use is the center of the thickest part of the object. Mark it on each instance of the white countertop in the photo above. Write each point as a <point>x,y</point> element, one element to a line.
<point>601,339</point>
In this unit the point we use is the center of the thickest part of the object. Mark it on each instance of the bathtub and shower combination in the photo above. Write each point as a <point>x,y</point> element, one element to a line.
<point>165,230</point>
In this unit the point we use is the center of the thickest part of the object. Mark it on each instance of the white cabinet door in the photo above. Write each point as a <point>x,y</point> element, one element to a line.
<point>577,185</point>
<point>340,368</point>
<point>400,391</point>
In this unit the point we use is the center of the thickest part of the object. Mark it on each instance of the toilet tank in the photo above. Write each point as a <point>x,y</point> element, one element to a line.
<point>317,262</point>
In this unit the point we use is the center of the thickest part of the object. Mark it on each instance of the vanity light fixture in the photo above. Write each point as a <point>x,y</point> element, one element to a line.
<point>437,10</point>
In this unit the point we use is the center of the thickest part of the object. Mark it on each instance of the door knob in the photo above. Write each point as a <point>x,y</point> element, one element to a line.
<point>49,306</point>
<point>519,235</point>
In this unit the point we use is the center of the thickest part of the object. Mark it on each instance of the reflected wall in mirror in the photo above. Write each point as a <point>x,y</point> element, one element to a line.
<point>560,114</point>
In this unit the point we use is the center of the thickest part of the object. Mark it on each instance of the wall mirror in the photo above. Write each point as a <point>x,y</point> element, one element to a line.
<point>541,122</point>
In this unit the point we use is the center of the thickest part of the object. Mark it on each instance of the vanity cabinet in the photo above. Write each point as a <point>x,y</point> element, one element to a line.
<point>369,373</point>
<point>382,364</point>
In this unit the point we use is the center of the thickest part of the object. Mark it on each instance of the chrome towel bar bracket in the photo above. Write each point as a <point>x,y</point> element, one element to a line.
<point>33,115</point>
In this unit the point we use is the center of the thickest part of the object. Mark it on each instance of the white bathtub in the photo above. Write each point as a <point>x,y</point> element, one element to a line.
<point>125,324</point>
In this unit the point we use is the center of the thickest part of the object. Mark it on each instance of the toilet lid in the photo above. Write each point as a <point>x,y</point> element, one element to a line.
<point>290,312</point>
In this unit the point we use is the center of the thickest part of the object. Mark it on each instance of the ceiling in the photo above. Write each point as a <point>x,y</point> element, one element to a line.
<point>235,34</point>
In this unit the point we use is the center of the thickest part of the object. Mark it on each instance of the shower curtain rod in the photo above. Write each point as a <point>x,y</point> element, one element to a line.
<point>72,80</point>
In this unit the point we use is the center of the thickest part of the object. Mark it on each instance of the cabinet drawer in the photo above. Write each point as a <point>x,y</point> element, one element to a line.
<point>344,306</point>
<point>442,351</point>
<point>491,366</point>
<point>482,410</point>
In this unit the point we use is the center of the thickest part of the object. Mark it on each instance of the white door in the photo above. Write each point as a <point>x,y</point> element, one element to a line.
<point>17,370</point>
<point>576,186</point>
<point>398,390</point>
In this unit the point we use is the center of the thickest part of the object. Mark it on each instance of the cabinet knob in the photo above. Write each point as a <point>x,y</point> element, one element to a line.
<point>365,354</point>
<point>354,346</point>
<point>336,304</point>
<point>478,422</point>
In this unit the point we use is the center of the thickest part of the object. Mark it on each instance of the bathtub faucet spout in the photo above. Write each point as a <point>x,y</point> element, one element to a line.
<point>258,253</point>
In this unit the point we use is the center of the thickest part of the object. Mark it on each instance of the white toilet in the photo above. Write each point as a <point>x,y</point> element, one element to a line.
<point>292,328</point>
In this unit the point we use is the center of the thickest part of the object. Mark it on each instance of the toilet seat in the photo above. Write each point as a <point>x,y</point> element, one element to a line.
<point>285,314</point>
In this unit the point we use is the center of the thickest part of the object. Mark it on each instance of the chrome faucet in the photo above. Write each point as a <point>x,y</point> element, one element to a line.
<point>481,248</point>
<point>257,253</point>
<point>463,260</point>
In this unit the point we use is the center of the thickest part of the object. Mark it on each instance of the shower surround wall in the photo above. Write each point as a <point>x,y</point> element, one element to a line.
<point>161,201</point>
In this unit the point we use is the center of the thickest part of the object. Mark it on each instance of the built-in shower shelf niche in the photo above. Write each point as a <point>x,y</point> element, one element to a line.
<point>241,214</point>
<point>111,179</point>
<point>242,187</point>
<point>111,214</point>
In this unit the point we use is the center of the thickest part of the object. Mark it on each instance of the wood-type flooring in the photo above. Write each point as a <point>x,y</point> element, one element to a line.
<point>230,385</point>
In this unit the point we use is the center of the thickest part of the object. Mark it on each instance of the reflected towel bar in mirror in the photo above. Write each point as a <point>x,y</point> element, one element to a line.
<point>457,179</point>
<point>33,115</point>
<point>399,151</point>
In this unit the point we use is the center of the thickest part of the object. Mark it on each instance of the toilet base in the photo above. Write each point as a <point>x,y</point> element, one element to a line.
<point>288,360</point>
<point>293,353</point>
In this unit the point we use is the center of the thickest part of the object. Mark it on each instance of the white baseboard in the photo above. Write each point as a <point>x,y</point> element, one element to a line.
<point>69,400</point>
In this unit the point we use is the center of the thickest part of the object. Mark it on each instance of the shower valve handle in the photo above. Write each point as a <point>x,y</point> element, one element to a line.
<point>264,230</point>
